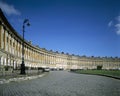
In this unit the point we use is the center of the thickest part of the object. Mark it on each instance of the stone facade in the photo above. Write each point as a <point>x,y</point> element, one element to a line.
<point>11,53</point>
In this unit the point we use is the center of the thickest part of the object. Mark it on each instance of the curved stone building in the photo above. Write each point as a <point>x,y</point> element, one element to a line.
<point>11,53</point>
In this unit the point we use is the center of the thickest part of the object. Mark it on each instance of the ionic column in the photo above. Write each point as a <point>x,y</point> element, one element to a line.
<point>27,53</point>
<point>1,29</point>
<point>4,38</point>
<point>8,41</point>
<point>1,35</point>
<point>12,45</point>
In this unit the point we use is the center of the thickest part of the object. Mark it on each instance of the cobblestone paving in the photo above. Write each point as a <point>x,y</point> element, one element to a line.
<point>62,83</point>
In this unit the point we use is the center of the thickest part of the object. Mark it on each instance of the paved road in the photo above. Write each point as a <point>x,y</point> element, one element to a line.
<point>63,83</point>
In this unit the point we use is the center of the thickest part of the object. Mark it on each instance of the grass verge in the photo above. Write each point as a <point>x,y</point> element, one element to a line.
<point>115,73</point>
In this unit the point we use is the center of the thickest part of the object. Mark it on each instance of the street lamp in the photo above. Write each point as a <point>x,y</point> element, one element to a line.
<point>25,22</point>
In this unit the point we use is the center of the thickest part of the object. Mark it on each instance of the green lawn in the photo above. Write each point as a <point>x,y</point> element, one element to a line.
<point>101,72</point>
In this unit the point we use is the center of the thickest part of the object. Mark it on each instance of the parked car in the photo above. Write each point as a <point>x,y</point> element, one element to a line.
<point>53,69</point>
<point>61,69</point>
<point>46,69</point>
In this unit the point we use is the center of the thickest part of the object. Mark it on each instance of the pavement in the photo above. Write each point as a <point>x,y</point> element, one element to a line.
<point>63,83</point>
<point>18,78</point>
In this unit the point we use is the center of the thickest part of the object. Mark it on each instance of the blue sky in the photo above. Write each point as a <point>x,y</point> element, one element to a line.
<point>80,27</point>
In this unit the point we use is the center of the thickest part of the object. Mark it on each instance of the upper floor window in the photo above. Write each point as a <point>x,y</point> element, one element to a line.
<point>13,44</point>
<point>7,39</point>
<point>10,42</point>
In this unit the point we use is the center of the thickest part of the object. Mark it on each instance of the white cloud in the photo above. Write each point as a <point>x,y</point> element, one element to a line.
<point>110,23</point>
<point>118,18</point>
<point>9,9</point>
<point>117,26</point>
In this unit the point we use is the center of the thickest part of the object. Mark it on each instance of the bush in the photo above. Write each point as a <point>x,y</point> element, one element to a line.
<point>6,68</point>
<point>99,67</point>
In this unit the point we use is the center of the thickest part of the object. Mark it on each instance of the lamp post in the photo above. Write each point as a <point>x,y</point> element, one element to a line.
<point>25,22</point>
